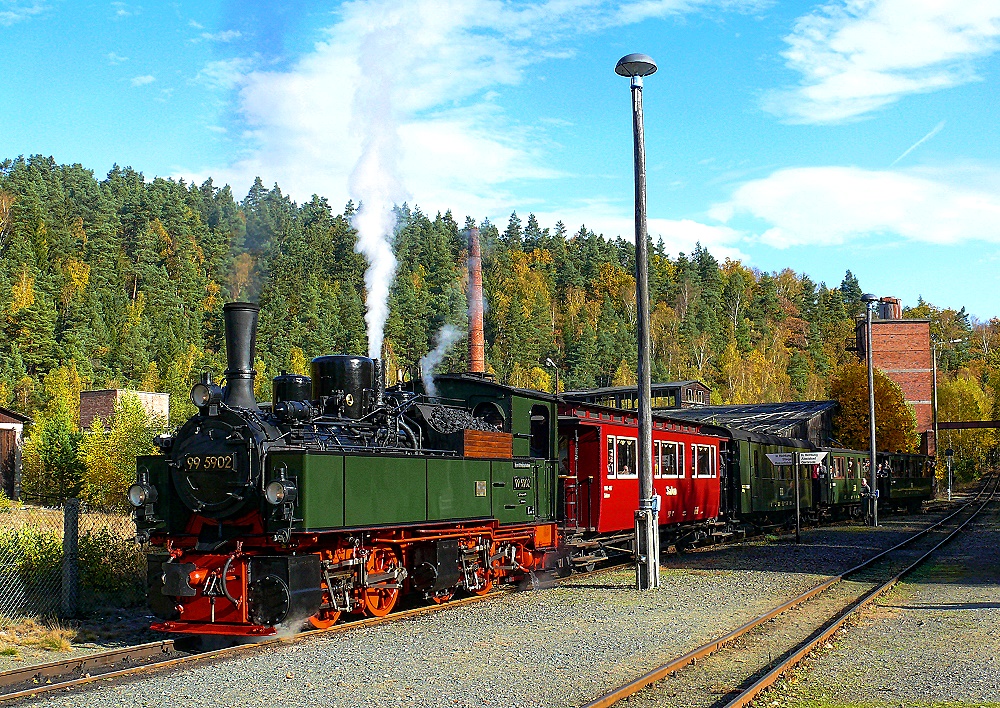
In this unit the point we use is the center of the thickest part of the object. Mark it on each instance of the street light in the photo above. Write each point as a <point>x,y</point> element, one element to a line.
<point>555,367</point>
<point>934,346</point>
<point>647,542</point>
<point>871,302</point>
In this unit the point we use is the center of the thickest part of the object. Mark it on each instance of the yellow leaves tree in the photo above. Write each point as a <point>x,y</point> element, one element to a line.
<point>240,277</point>
<point>77,275</point>
<point>759,377</point>
<point>22,292</point>
<point>895,421</point>
<point>963,398</point>
<point>109,453</point>
<point>52,464</point>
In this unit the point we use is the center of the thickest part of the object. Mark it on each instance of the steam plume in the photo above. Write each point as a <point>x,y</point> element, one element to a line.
<point>443,340</point>
<point>375,182</point>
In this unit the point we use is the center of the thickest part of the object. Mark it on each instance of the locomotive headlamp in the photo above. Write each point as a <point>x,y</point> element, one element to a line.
<point>205,394</point>
<point>141,493</point>
<point>280,491</point>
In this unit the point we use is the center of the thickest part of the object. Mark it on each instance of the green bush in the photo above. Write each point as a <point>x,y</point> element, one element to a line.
<point>37,553</point>
<point>112,569</point>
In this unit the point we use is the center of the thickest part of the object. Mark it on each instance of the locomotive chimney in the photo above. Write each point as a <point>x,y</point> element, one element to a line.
<point>241,337</point>
<point>477,341</point>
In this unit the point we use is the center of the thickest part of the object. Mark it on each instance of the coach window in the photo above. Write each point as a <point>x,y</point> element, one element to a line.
<point>625,458</point>
<point>850,468</point>
<point>657,454</point>
<point>838,467</point>
<point>611,457</point>
<point>668,459</point>
<point>702,460</point>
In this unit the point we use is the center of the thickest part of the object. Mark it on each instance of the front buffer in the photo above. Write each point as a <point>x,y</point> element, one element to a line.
<point>238,595</point>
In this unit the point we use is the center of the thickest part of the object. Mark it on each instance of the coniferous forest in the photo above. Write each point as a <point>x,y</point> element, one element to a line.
<point>119,281</point>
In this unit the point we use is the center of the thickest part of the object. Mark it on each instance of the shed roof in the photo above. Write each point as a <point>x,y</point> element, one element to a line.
<point>762,418</point>
<point>13,416</point>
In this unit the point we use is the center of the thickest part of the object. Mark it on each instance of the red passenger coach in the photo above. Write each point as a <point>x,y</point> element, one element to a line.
<point>599,471</point>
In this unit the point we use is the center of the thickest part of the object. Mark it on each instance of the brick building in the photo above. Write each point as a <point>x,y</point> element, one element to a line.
<point>901,348</point>
<point>11,439</point>
<point>101,404</point>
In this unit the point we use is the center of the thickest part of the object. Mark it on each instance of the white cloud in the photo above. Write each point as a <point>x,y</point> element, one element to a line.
<point>115,59</point>
<point>823,206</point>
<point>12,11</point>
<point>448,58</point>
<point>678,235</point>
<point>123,9</point>
<point>856,56</point>
<point>225,73</point>
<point>143,80</point>
<point>224,36</point>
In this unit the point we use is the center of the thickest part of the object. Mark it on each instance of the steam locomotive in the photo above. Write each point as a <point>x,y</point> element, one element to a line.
<point>343,495</point>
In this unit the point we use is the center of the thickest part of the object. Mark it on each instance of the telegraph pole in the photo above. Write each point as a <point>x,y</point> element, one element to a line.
<point>647,541</point>
<point>871,303</point>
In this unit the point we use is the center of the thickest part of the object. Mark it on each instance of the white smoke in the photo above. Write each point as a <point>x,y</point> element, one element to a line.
<point>443,340</point>
<point>375,183</point>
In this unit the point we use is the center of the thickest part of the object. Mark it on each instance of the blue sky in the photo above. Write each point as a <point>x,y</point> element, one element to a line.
<point>858,134</point>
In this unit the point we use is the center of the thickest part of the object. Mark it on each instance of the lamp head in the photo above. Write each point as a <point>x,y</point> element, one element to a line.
<point>868,298</point>
<point>635,65</point>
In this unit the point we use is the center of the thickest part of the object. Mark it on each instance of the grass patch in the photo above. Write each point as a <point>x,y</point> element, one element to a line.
<point>33,633</point>
<point>10,652</point>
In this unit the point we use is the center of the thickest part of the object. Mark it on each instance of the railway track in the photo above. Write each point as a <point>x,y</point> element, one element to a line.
<point>108,665</point>
<point>734,669</point>
<point>32,681</point>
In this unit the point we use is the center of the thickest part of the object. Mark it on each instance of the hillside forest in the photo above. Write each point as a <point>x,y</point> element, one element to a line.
<point>119,282</point>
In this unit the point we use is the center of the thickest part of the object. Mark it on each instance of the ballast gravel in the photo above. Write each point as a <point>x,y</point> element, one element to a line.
<point>931,641</point>
<point>558,646</point>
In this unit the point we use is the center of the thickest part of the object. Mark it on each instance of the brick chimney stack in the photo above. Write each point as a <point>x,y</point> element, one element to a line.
<point>477,340</point>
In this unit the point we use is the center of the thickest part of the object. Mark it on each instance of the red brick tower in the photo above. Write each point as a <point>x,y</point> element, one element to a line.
<point>902,350</point>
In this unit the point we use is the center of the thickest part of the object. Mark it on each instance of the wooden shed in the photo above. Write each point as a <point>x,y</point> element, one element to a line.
<point>11,437</point>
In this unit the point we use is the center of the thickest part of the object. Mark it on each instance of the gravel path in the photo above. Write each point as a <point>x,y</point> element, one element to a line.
<point>552,647</point>
<point>932,641</point>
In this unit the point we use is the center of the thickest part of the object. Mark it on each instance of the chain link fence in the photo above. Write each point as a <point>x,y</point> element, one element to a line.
<point>67,560</point>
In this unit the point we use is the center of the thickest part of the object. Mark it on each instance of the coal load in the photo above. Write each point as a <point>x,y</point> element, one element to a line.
<point>446,427</point>
<point>446,420</point>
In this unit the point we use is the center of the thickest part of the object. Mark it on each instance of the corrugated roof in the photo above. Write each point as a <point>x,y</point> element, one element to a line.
<point>763,418</point>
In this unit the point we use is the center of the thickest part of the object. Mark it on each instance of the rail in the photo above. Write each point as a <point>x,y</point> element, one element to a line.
<point>31,681</point>
<point>748,694</point>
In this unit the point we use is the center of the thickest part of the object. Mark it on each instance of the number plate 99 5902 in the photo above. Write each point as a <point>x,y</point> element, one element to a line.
<point>210,462</point>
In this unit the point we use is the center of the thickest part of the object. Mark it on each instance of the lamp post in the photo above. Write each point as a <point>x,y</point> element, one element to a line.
<point>647,543</point>
<point>554,367</point>
<point>934,346</point>
<point>871,302</point>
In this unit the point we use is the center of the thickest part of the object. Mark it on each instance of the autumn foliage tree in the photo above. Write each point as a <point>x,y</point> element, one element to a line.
<point>895,421</point>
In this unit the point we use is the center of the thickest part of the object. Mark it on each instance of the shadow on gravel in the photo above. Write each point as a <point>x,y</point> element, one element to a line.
<point>950,606</point>
<point>826,550</point>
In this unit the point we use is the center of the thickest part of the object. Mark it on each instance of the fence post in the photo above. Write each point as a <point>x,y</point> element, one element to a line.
<point>71,550</point>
